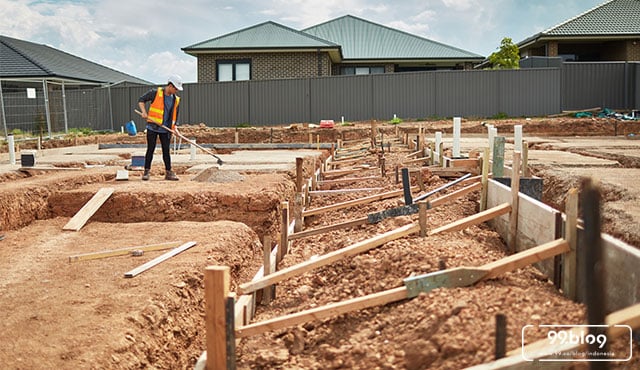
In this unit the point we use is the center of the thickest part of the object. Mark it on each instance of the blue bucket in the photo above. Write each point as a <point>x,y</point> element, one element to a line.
<point>131,128</point>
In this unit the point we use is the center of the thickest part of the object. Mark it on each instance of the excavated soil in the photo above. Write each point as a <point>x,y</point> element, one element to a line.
<point>86,314</point>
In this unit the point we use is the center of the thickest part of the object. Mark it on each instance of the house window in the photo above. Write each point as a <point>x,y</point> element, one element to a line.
<point>361,70</point>
<point>234,70</point>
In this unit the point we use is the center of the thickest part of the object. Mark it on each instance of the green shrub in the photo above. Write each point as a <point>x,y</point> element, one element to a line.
<point>395,121</point>
<point>500,115</point>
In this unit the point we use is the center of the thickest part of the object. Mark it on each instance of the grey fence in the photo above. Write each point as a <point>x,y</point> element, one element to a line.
<point>416,95</point>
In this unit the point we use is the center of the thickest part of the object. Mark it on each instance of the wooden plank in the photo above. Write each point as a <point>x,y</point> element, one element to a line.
<point>329,258</point>
<point>525,258</point>
<point>349,179</point>
<point>354,202</point>
<point>471,163</point>
<point>324,229</point>
<point>371,300</point>
<point>52,168</point>
<point>476,219</point>
<point>343,191</point>
<point>396,294</point>
<point>416,160</point>
<point>140,269</point>
<point>452,172</point>
<point>77,222</point>
<point>454,195</point>
<point>122,251</point>
<point>338,173</point>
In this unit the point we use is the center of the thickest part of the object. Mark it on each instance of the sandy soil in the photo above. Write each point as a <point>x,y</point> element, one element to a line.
<point>85,314</point>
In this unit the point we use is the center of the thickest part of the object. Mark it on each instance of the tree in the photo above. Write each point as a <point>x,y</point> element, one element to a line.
<point>508,57</point>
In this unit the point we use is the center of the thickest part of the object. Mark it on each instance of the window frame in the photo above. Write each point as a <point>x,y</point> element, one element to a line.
<point>233,63</point>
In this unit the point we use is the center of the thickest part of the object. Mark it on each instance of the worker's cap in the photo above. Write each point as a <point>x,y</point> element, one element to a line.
<point>176,81</point>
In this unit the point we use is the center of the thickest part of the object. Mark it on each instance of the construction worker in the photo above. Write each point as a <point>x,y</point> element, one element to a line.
<point>162,115</point>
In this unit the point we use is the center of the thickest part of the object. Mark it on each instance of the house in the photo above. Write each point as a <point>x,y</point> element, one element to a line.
<point>342,46</point>
<point>43,89</point>
<point>28,61</point>
<point>608,32</point>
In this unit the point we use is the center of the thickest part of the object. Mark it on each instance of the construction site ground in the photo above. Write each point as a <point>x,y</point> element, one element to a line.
<point>86,314</point>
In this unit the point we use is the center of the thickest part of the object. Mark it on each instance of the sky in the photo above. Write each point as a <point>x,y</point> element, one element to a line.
<point>144,38</point>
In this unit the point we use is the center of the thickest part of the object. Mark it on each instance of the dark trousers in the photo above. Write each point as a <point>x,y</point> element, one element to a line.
<point>165,142</point>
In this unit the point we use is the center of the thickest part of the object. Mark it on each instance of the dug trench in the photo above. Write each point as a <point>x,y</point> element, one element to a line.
<point>86,315</point>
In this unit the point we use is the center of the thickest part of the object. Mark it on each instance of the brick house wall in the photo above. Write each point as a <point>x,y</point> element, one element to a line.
<point>265,66</point>
<point>625,50</point>
<point>633,50</point>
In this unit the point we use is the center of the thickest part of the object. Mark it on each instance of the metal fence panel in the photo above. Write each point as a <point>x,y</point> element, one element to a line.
<point>81,108</point>
<point>407,95</point>
<point>529,92</point>
<point>223,104</point>
<point>342,96</point>
<point>412,95</point>
<point>467,93</point>
<point>275,102</point>
<point>590,85</point>
<point>23,111</point>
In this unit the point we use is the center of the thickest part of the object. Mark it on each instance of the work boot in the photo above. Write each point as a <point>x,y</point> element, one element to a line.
<point>146,175</point>
<point>171,176</point>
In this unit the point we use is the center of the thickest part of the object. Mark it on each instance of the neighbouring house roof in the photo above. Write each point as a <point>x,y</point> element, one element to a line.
<point>267,36</point>
<point>611,19</point>
<point>364,40</point>
<point>346,38</point>
<point>21,59</point>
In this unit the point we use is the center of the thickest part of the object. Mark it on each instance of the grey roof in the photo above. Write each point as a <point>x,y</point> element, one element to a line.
<point>611,18</point>
<point>267,35</point>
<point>362,39</point>
<point>24,59</point>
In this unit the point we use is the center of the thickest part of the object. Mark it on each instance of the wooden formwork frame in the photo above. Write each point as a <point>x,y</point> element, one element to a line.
<point>519,231</point>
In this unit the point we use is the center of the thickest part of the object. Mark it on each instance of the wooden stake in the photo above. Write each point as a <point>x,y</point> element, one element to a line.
<point>297,212</point>
<point>515,191</point>
<point>569,276</point>
<point>284,230</point>
<point>485,179</point>
<point>498,156</point>
<point>525,159</point>
<point>420,182</point>
<point>230,310</point>
<point>594,274</point>
<point>501,336</point>
<point>266,248</point>
<point>299,170</point>
<point>216,291</point>
<point>422,213</point>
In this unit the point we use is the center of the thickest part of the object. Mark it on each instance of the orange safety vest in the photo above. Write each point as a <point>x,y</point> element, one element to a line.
<point>156,109</point>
